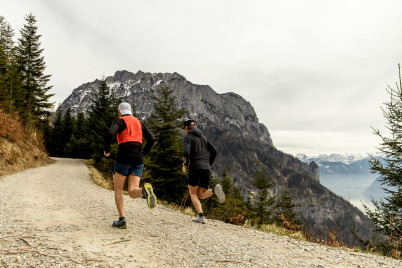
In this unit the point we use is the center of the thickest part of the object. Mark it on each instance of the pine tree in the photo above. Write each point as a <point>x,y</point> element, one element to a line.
<point>54,140</point>
<point>260,198</point>
<point>226,183</point>
<point>35,107</point>
<point>47,138</point>
<point>387,214</point>
<point>81,126</point>
<point>10,82</point>
<point>78,145</point>
<point>101,114</point>
<point>166,156</point>
<point>285,215</point>
<point>234,209</point>
<point>5,36</point>
<point>68,125</point>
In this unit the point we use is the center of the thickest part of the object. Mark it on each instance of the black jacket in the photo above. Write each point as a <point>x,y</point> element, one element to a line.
<point>198,151</point>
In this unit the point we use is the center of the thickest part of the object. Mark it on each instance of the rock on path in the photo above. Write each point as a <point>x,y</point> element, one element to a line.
<point>55,216</point>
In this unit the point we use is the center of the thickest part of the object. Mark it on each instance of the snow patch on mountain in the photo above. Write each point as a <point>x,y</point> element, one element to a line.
<point>346,158</point>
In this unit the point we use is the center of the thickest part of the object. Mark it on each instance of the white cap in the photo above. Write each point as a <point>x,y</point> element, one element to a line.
<point>125,108</point>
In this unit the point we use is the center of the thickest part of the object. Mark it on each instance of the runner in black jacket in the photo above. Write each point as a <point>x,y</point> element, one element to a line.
<point>199,155</point>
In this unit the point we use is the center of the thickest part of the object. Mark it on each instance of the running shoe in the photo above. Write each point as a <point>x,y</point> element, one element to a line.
<point>200,219</point>
<point>219,193</point>
<point>120,224</point>
<point>149,195</point>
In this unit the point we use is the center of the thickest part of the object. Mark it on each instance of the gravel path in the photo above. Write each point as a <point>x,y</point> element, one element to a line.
<point>55,216</point>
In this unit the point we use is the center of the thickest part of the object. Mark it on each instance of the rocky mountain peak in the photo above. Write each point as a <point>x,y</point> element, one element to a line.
<point>202,103</point>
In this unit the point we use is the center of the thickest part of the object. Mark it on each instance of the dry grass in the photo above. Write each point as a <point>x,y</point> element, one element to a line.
<point>10,127</point>
<point>20,148</point>
<point>20,155</point>
<point>97,176</point>
<point>275,229</point>
<point>185,210</point>
<point>189,211</point>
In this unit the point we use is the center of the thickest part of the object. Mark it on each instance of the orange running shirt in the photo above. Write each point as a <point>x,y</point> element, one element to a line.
<point>133,132</point>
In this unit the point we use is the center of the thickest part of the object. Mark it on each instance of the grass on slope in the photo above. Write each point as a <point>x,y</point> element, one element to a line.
<point>19,149</point>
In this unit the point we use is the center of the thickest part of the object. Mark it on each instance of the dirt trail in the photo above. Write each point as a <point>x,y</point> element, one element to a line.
<point>55,216</point>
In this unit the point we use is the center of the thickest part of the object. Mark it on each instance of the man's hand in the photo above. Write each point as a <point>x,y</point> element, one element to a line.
<point>106,154</point>
<point>184,168</point>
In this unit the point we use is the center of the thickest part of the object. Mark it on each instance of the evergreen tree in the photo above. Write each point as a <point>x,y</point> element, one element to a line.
<point>35,107</point>
<point>6,38</point>
<point>47,138</point>
<point>14,82</point>
<point>6,35</point>
<point>10,82</point>
<point>81,126</point>
<point>285,215</point>
<point>260,199</point>
<point>387,214</point>
<point>78,145</point>
<point>226,182</point>
<point>54,140</point>
<point>166,157</point>
<point>101,114</point>
<point>68,125</point>
<point>233,210</point>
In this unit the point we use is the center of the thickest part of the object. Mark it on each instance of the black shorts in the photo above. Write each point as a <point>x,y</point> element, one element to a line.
<point>199,177</point>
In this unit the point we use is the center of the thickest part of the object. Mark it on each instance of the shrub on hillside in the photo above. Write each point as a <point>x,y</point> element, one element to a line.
<point>11,127</point>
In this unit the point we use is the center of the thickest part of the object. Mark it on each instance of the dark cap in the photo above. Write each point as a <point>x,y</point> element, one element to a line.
<point>189,123</point>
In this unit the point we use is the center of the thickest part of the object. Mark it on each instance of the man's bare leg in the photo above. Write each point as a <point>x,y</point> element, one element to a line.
<point>118,181</point>
<point>204,193</point>
<point>134,190</point>
<point>193,190</point>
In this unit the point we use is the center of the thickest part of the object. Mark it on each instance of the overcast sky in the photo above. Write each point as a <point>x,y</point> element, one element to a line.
<point>315,72</point>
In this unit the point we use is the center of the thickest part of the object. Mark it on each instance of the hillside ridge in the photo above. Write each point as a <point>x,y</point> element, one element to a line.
<point>19,156</point>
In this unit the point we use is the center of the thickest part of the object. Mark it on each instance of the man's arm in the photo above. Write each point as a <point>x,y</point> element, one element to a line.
<point>148,137</point>
<point>114,128</point>
<point>186,150</point>
<point>212,153</point>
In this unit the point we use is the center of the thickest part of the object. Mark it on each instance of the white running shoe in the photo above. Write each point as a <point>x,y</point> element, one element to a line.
<point>200,219</point>
<point>219,193</point>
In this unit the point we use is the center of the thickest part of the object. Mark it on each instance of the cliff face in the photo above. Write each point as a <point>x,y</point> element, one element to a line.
<point>314,171</point>
<point>231,124</point>
<point>225,111</point>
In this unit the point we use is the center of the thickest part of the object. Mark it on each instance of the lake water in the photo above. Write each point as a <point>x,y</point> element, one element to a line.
<point>350,187</point>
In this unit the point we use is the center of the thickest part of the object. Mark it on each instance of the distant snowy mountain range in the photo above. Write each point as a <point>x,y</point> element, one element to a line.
<point>346,158</point>
<point>348,175</point>
<point>340,164</point>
